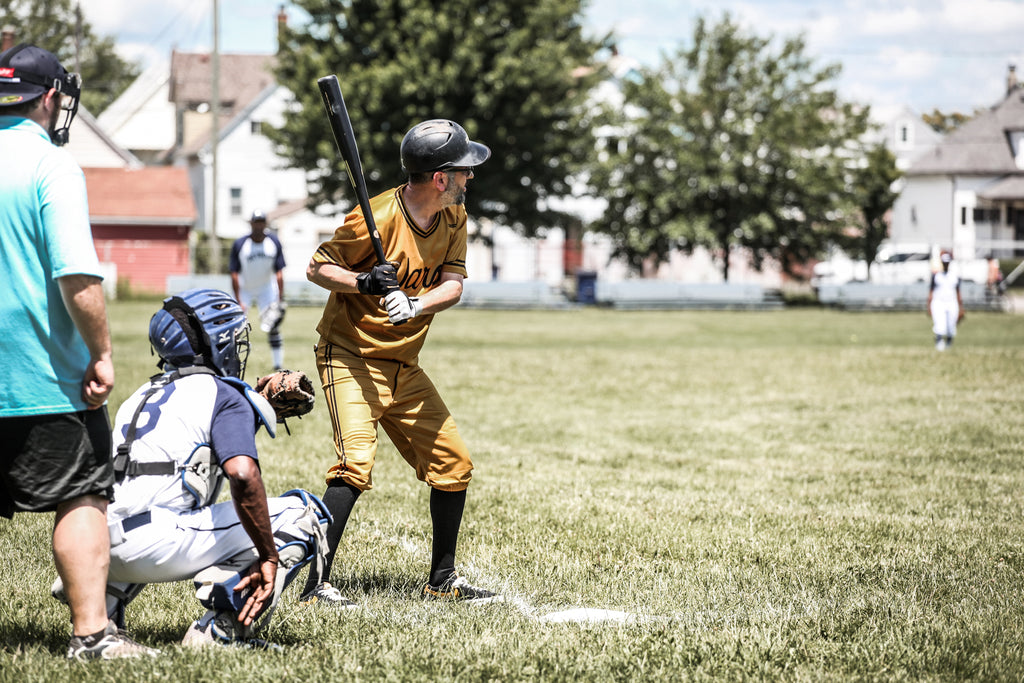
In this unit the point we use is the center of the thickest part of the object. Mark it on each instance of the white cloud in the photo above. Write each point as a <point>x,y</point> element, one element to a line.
<point>902,21</point>
<point>983,17</point>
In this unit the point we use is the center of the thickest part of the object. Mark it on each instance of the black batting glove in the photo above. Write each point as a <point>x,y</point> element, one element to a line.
<point>381,279</point>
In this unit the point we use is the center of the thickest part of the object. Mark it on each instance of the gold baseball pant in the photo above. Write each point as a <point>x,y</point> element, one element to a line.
<point>360,393</point>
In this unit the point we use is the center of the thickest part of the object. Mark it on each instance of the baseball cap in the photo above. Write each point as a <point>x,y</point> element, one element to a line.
<point>945,257</point>
<point>257,215</point>
<point>27,72</point>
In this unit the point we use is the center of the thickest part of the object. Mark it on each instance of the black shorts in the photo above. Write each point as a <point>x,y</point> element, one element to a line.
<point>46,460</point>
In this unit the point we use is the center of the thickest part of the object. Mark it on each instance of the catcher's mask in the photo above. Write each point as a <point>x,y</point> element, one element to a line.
<point>28,72</point>
<point>201,327</point>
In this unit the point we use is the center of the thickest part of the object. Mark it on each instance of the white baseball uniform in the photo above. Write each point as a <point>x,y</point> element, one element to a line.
<point>167,526</point>
<point>257,264</point>
<point>945,304</point>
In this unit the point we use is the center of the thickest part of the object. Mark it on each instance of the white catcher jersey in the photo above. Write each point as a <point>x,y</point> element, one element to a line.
<point>193,411</point>
<point>256,263</point>
<point>944,288</point>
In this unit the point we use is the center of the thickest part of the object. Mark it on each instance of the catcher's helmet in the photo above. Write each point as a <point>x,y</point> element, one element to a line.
<point>438,144</point>
<point>202,327</point>
<point>28,72</point>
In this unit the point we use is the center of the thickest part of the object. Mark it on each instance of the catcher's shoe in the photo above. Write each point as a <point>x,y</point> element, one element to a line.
<point>110,643</point>
<point>457,588</point>
<point>219,628</point>
<point>326,594</point>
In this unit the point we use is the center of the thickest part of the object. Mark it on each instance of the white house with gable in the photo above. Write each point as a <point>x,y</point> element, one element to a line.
<point>967,192</point>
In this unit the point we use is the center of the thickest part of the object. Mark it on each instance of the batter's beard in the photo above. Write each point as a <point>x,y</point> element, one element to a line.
<point>454,196</point>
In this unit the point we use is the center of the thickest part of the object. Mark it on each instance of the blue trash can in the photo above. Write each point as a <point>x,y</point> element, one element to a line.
<point>586,287</point>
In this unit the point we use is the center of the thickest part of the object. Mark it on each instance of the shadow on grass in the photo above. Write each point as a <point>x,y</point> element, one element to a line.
<point>379,584</point>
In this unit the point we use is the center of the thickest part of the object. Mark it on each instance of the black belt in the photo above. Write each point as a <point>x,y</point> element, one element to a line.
<point>135,521</point>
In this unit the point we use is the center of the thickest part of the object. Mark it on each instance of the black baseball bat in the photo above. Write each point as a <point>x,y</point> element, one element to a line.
<point>345,137</point>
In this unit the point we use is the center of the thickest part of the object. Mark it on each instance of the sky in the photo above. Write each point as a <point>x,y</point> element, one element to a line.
<point>951,55</point>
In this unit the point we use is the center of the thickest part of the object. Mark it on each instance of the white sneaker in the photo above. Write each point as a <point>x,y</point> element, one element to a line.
<point>327,595</point>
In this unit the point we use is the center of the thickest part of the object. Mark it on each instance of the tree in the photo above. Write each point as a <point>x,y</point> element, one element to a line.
<point>512,72</point>
<point>729,145</point>
<point>54,25</point>
<point>942,122</point>
<point>873,194</point>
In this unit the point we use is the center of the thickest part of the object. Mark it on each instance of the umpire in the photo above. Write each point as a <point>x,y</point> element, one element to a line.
<point>373,327</point>
<point>56,370</point>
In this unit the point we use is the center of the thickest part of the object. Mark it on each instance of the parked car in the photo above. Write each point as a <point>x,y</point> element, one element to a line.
<point>895,264</point>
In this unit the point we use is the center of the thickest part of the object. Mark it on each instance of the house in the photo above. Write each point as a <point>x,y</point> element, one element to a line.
<point>141,218</point>
<point>907,136</point>
<point>967,192</point>
<point>142,119</point>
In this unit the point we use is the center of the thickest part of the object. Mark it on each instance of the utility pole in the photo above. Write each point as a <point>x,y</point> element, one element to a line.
<point>214,140</point>
<point>78,37</point>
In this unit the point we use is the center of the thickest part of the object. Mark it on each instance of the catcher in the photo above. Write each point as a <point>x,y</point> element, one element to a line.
<point>371,332</point>
<point>177,439</point>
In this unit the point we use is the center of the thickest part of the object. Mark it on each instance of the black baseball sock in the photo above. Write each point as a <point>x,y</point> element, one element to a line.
<point>446,514</point>
<point>339,498</point>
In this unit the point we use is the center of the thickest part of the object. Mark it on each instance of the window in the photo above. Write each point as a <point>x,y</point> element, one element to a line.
<point>963,215</point>
<point>256,127</point>
<point>986,216</point>
<point>236,201</point>
<point>904,135</point>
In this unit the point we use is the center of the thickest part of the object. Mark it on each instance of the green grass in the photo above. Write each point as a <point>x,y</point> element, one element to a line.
<point>800,495</point>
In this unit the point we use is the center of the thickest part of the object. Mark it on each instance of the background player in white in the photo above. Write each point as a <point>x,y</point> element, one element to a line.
<point>257,265</point>
<point>176,440</point>
<point>945,304</point>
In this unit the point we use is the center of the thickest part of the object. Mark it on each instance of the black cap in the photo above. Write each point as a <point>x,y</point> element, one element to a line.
<point>258,215</point>
<point>27,72</point>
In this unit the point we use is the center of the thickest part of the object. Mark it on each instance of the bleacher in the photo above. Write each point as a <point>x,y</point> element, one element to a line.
<point>296,292</point>
<point>511,295</point>
<point>660,294</point>
<point>862,296</point>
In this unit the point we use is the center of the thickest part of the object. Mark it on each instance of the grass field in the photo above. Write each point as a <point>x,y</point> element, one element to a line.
<point>801,495</point>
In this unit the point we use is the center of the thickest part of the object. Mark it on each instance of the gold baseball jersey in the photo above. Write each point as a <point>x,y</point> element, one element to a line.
<point>358,322</point>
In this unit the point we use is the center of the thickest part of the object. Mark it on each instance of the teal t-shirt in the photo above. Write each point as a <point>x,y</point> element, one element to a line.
<point>44,235</point>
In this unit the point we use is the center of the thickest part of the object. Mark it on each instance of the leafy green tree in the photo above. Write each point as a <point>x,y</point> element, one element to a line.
<point>945,122</point>
<point>729,145</point>
<point>512,72</point>
<point>873,194</point>
<point>54,25</point>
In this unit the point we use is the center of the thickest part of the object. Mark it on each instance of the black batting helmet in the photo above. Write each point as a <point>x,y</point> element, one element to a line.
<point>438,144</point>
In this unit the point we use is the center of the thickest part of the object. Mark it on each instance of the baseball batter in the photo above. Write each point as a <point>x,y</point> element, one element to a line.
<point>257,274</point>
<point>945,304</point>
<point>177,439</point>
<point>373,327</point>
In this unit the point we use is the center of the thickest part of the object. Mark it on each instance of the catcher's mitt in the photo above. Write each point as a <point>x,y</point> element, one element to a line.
<point>289,392</point>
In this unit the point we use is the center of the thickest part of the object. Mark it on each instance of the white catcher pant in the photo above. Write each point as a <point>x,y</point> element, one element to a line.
<point>944,317</point>
<point>177,546</point>
<point>264,297</point>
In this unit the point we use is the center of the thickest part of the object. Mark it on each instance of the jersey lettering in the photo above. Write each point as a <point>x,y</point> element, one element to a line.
<point>149,414</point>
<point>420,278</point>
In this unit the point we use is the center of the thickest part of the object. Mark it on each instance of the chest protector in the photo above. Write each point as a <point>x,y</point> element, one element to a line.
<point>201,475</point>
